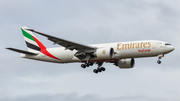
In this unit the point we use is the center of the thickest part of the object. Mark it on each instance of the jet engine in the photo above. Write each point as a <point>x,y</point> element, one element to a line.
<point>126,63</point>
<point>104,53</point>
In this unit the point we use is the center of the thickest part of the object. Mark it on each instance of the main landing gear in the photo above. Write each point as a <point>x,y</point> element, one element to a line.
<point>159,57</point>
<point>86,64</point>
<point>99,68</point>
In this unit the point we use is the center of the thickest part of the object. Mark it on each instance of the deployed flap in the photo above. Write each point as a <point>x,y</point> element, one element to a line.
<point>22,51</point>
<point>67,44</point>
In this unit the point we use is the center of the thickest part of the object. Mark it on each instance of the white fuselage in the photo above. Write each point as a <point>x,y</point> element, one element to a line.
<point>122,50</point>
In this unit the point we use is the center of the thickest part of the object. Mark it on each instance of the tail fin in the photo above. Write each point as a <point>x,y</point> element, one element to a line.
<point>33,44</point>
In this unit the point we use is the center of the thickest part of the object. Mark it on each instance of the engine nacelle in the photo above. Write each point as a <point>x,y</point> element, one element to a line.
<point>105,53</point>
<point>126,63</point>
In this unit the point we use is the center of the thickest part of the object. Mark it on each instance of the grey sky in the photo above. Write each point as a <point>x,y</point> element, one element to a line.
<point>89,22</point>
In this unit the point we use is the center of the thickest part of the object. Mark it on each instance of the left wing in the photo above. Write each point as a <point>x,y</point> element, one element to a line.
<point>67,44</point>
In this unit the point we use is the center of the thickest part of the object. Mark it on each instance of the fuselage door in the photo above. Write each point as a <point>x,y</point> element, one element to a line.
<point>154,45</point>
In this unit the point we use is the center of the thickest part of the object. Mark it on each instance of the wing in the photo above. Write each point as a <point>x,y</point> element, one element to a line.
<point>67,44</point>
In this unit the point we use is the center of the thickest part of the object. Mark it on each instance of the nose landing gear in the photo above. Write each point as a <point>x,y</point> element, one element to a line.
<point>159,57</point>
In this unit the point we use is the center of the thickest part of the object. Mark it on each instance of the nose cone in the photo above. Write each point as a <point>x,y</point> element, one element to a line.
<point>170,49</point>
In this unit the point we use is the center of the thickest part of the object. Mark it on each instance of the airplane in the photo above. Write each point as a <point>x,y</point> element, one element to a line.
<point>121,54</point>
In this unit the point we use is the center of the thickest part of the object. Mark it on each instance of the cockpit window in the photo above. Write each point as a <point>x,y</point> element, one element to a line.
<point>167,44</point>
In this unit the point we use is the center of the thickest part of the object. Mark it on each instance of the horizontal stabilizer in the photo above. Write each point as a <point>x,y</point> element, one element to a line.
<point>22,51</point>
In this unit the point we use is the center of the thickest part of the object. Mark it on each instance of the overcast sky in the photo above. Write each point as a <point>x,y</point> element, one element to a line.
<point>89,22</point>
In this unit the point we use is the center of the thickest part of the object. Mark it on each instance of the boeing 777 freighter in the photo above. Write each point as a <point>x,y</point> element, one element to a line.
<point>121,54</point>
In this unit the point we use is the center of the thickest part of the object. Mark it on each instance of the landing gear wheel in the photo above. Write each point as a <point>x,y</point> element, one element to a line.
<point>90,63</point>
<point>87,64</point>
<point>95,71</point>
<point>99,69</point>
<point>103,69</point>
<point>159,62</point>
<point>83,65</point>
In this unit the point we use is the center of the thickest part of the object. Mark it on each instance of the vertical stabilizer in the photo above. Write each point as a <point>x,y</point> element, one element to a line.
<point>33,44</point>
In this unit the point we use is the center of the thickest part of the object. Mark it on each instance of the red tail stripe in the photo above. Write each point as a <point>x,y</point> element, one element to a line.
<point>43,49</point>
